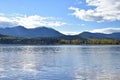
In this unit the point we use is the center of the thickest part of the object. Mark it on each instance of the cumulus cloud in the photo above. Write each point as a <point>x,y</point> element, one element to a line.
<point>106,30</point>
<point>30,21</point>
<point>104,10</point>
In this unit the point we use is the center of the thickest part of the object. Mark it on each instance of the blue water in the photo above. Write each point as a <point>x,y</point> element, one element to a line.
<point>99,62</point>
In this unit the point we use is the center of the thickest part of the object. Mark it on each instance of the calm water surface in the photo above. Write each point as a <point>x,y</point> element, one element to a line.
<point>60,62</point>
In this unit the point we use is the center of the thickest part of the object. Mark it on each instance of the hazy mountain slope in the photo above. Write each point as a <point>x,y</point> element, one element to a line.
<point>88,35</point>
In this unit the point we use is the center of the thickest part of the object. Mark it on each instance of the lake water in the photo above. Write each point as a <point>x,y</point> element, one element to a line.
<point>66,62</point>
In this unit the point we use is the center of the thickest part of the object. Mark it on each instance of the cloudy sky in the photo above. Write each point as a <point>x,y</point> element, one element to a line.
<point>67,16</point>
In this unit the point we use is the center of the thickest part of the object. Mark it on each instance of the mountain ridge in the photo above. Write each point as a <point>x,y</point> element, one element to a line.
<point>45,32</point>
<point>21,31</point>
<point>115,36</point>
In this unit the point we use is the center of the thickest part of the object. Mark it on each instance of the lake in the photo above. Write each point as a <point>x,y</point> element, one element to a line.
<point>65,62</point>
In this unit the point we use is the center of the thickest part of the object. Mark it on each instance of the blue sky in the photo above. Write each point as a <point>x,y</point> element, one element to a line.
<point>67,16</point>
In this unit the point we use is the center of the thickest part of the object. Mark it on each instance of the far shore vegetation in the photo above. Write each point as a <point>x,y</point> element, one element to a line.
<point>57,41</point>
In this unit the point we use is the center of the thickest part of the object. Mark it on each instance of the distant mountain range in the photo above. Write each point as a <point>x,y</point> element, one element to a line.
<point>20,31</point>
<point>88,35</point>
<point>44,32</point>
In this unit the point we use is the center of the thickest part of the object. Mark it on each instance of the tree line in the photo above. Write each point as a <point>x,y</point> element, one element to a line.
<point>56,41</point>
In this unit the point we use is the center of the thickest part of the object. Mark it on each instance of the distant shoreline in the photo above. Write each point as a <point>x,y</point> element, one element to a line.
<point>59,44</point>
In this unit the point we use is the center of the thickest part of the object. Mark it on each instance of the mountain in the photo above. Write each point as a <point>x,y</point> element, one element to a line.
<point>44,36</point>
<point>93,35</point>
<point>2,36</point>
<point>115,36</point>
<point>21,31</point>
<point>88,35</point>
<point>44,32</point>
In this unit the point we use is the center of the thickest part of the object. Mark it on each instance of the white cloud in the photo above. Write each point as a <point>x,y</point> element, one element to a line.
<point>106,30</point>
<point>4,21</point>
<point>70,33</point>
<point>30,21</point>
<point>105,10</point>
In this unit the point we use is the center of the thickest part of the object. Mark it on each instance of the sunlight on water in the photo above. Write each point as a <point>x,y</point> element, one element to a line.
<point>59,62</point>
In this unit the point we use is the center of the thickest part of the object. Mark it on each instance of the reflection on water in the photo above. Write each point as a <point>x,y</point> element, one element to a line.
<point>59,62</point>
